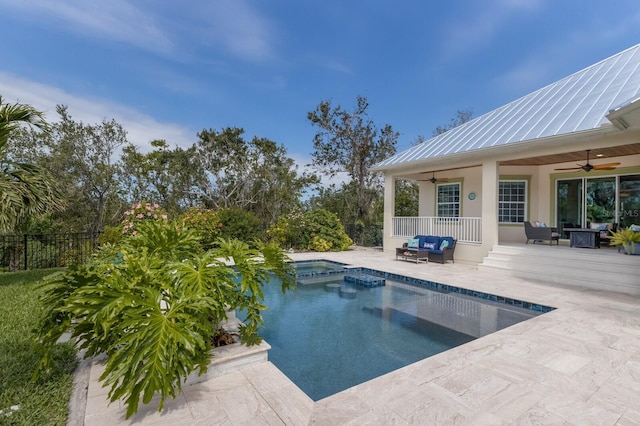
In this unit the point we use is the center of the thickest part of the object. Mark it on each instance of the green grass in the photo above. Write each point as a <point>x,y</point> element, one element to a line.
<point>44,401</point>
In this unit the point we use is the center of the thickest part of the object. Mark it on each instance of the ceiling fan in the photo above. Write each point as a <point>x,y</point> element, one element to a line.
<point>433,179</point>
<point>588,167</point>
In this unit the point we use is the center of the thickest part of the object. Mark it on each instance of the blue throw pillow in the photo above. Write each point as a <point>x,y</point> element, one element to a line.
<point>430,246</point>
<point>413,243</point>
<point>541,225</point>
<point>444,245</point>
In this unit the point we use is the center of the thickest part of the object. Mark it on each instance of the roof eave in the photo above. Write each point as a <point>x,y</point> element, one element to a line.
<point>499,152</point>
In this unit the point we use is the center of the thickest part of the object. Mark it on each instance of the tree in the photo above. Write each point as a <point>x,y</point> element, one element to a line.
<point>82,160</point>
<point>169,177</point>
<point>461,117</point>
<point>256,176</point>
<point>25,189</point>
<point>86,154</point>
<point>349,142</point>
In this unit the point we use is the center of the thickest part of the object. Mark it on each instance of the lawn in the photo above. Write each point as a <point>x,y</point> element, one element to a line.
<point>45,401</point>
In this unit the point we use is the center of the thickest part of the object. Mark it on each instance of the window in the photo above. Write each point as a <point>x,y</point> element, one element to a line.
<point>512,201</point>
<point>448,202</point>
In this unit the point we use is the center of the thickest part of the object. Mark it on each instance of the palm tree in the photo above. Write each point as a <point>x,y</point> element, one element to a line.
<point>25,189</point>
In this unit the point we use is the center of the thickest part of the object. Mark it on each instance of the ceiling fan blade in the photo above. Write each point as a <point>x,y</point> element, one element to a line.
<point>605,165</point>
<point>604,168</point>
<point>569,168</point>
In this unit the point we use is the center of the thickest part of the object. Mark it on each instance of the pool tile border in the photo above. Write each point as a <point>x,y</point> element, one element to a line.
<point>443,288</point>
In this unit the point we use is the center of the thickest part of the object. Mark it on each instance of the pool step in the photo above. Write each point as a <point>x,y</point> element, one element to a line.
<point>364,280</point>
<point>345,292</point>
<point>596,269</point>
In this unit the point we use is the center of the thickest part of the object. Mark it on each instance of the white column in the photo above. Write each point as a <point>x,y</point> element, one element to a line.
<point>490,179</point>
<point>389,210</point>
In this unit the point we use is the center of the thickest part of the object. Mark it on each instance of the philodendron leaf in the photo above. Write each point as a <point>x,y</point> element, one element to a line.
<point>152,304</point>
<point>160,346</point>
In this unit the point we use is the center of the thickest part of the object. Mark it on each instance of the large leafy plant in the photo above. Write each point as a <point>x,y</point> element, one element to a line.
<point>152,303</point>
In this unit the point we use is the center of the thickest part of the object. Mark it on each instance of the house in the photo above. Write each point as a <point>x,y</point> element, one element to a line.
<point>567,155</point>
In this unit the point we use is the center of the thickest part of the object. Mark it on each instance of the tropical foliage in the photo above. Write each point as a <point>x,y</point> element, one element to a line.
<point>152,304</point>
<point>317,230</point>
<point>98,174</point>
<point>26,190</point>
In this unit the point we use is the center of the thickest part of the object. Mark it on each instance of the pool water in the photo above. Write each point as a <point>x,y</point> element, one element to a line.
<point>312,268</point>
<point>327,340</point>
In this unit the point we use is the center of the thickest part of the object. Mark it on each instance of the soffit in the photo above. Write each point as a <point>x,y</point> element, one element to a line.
<point>580,156</point>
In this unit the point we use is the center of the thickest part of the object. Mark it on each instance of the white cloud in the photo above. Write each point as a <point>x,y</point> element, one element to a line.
<point>141,128</point>
<point>234,25</point>
<point>117,20</point>
<point>165,27</point>
<point>480,23</point>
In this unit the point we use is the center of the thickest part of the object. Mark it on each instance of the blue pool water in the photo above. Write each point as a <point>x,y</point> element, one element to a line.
<point>328,334</point>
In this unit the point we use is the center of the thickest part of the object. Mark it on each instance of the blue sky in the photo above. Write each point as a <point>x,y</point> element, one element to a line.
<point>168,69</point>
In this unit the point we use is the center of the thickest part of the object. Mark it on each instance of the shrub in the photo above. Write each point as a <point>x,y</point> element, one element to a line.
<point>289,231</point>
<point>111,235</point>
<point>205,222</point>
<point>326,231</point>
<point>139,213</point>
<point>318,230</point>
<point>240,224</point>
<point>152,304</point>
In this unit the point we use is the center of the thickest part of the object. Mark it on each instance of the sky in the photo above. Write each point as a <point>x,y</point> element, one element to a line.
<point>166,69</point>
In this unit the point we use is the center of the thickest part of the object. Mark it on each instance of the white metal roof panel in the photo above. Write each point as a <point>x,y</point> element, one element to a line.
<point>576,103</point>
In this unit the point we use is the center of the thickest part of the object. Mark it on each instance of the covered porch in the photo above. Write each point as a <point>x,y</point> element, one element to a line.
<point>483,202</point>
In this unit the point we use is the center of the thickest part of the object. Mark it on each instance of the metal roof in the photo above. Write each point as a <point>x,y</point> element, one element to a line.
<point>576,103</point>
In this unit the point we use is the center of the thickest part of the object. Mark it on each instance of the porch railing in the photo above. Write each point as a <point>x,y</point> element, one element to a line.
<point>463,229</point>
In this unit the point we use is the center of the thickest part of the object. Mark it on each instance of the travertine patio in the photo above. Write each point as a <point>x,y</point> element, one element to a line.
<point>577,365</point>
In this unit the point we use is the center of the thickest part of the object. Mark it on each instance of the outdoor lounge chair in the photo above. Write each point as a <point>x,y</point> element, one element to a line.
<point>541,233</point>
<point>429,248</point>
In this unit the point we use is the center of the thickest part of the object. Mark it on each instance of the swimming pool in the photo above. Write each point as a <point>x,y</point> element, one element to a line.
<point>330,334</point>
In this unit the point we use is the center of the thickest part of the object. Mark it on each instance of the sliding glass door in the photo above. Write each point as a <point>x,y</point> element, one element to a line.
<point>601,200</point>
<point>569,205</point>
<point>629,200</point>
<point>612,199</point>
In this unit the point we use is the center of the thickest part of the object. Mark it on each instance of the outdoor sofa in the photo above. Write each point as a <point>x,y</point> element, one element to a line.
<point>434,248</point>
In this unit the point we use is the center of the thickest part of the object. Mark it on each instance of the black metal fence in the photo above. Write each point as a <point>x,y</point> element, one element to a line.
<point>365,236</point>
<point>39,251</point>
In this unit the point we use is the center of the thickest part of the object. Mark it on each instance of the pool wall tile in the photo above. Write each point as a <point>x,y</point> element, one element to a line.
<point>444,288</point>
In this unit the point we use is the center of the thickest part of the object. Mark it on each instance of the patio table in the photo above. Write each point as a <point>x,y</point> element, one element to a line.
<point>584,237</point>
